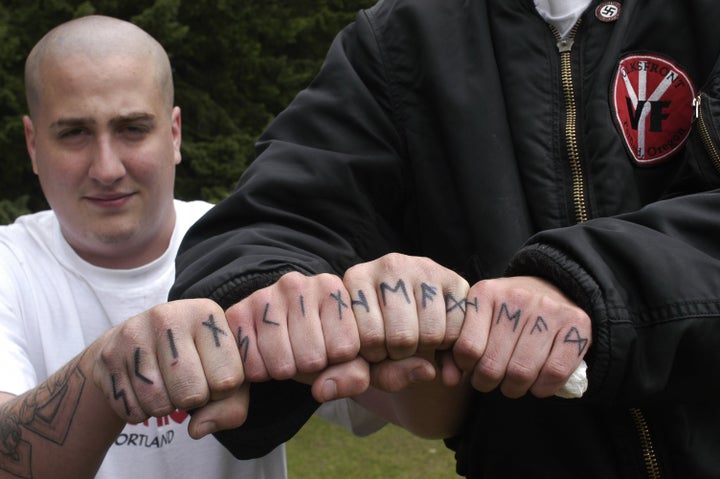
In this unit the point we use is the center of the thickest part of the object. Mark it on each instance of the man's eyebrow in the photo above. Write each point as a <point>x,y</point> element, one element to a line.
<point>132,117</point>
<point>71,122</point>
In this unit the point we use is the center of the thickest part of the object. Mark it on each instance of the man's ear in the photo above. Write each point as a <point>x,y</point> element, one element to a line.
<point>177,133</point>
<point>30,140</point>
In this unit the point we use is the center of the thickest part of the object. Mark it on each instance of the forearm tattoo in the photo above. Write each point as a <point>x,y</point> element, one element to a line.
<point>47,411</point>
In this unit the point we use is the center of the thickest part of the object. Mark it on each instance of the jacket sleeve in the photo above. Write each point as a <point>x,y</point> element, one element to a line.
<point>650,280</point>
<point>303,205</point>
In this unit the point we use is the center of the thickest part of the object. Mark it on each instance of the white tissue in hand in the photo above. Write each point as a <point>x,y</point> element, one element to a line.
<point>576,386</point>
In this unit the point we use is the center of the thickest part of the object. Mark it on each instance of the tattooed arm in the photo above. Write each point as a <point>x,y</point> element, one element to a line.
<point>176,355</point>
<point>62,428</point>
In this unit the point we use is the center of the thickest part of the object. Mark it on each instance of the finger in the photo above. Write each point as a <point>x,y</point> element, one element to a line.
<point>219,356</point>
<point>305,330</point>
<point>456,305</point>
<point>359,282</point>
<point>395,375</point>
<point>506,326</point>
<point>568,350</point>
<point>113,373</point>
<point>148,384</point>
<point>431,313</point>
<point>342,340</point>
<point>400,315</point>
<point>472,340</point>
<point>451,374</point>
<point>273,340</point>
<point>182,374</point>
<point>342,380</point>
<point>241,321</point>
<point>227,413</point>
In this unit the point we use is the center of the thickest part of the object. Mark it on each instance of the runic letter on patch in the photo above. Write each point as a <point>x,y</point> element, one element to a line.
<point>652,102</point>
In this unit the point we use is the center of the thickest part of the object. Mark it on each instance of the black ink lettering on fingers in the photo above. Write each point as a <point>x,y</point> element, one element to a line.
<point>452,303</point>
<point>505,314</point>
<point>540,325</point>
<point>573,336</point>
<point>302,305</point>
<point>428,294</point>
<point>138,374</point>
<point>341,304</point>
<point>399,286</point>
<point>361,301</point>
<point>243,343</point>
<point>210,323</point>
<point>473,303</point>
<point>265,316</point>
<point>173,347</point>
<point>120,395</point>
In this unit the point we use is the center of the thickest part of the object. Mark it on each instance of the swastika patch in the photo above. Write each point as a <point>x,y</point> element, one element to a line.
<point>652,103</point>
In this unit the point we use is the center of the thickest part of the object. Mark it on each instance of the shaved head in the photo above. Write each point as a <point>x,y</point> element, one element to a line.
<point>95,37</point>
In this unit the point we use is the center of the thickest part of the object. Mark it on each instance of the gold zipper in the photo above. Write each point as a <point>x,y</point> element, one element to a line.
<point>705,133</point>
<point>648,450</point>
<point>564,46</point>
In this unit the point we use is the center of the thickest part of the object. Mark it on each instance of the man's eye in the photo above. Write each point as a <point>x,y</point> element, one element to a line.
<point>72,132</point>
<point>135,131</point>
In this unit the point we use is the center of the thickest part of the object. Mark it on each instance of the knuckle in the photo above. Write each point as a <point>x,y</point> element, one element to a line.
<point>311,364</point>
<point>282,371</point>
<point>518,372</point>
<point>343,352</point>
<point>490,369</point>
<point>188,394</point>
<point>402,341</point>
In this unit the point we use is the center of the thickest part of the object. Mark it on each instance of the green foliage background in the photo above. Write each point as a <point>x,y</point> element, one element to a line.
<point>237,63</point>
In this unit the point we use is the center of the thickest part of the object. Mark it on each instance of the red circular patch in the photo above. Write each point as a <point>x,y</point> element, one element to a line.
<point>652,99</point>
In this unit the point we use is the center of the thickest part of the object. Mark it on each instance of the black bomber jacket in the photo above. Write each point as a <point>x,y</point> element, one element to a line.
<point>467,132</point>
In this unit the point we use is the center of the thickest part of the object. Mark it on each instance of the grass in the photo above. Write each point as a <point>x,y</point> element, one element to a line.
<point>323,450</point>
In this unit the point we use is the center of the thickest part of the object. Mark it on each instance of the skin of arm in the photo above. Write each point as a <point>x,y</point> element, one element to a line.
<point>62,428</point>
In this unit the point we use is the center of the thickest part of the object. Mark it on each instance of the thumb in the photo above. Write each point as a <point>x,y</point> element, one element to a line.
<point>395,375</point>
<point>342,380</point>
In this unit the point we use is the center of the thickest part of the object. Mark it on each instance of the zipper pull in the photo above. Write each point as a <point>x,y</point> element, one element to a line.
<point>565,44</point>
<point>696,107</point>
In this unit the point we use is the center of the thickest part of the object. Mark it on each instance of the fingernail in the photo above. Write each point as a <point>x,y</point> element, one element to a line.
<point>416,375</point>
<point>206,428</point>
<point>329,390</point>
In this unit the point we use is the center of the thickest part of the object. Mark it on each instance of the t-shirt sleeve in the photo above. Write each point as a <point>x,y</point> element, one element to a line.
<point>17,374</point>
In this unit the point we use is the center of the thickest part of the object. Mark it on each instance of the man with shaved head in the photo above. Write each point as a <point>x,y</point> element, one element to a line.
<point>104,139</point>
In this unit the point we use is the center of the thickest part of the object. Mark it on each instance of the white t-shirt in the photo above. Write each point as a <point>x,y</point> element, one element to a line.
<point>53,304</point>
<point>562,14</point>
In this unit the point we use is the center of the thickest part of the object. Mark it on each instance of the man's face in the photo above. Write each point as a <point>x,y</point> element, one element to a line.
<point>104,145</point>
